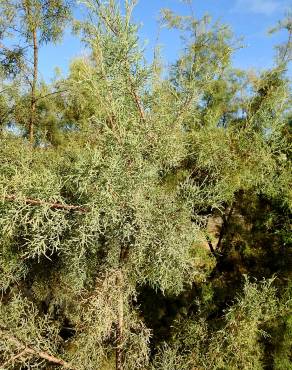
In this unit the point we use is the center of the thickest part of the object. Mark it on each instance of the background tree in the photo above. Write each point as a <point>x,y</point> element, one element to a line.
<point>35,22</point>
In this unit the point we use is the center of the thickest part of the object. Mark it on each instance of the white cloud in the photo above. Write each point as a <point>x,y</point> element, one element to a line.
<point>265,7</point>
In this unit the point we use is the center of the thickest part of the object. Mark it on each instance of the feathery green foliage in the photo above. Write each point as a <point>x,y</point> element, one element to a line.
<point>127,230</point>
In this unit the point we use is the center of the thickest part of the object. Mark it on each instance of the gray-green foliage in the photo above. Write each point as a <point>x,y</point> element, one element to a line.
<point>145,157</point>
<point>134,224</point>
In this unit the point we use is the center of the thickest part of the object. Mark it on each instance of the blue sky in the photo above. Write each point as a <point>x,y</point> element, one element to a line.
<point>248,18</point>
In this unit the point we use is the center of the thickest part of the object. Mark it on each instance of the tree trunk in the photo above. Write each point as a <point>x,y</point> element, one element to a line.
<point>33,87</point>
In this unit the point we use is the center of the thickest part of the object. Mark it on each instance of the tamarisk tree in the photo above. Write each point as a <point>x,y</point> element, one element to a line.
<point>82,266</point>
<point>33,23</point>
<point>122,204</point>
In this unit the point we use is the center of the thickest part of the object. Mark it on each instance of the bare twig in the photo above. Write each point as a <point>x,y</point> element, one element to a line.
<point>212,250</point>
<point>52,93</point>
<point>136,99</point>
<point>32,351</point>
<point>38,202</point>
<point>3,90</point>
<point>13,358</point>
<point>106,21</point>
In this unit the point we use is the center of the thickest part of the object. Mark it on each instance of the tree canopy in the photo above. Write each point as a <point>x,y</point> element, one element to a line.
<point>144,214</point>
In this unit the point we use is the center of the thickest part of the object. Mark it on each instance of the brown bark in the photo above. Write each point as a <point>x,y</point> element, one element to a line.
<point>136,99</point>
<point>38,202</point>
<point>33,87</point>
<point>26,350</point>
<point>212,250</point>
<point>33,29</point>
<point>13,359</point>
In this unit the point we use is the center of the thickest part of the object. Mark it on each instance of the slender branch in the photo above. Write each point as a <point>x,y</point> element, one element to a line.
<point>224,227</point>
<point>34,86</point>
<point>6,114</point>
<point>35,352</point>
<point>136,99</point>
<point>13,358</point>
<point>106,21</point>
<point>184,108</point>
<point>287,47</point>
<point>53,93</point>
<point>212,250</point>
<point>38,202</point>
<point>36,100</point>
<point>3,90</point>
<point>28,80</point>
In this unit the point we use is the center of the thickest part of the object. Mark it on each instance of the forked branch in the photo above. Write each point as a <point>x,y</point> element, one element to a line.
<point>27,350</point>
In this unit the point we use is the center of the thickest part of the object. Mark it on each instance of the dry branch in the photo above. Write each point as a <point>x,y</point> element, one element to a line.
<point>12,359</point>
<point>38,202</point>
<point>26,350</point>
<point>137,100</point>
